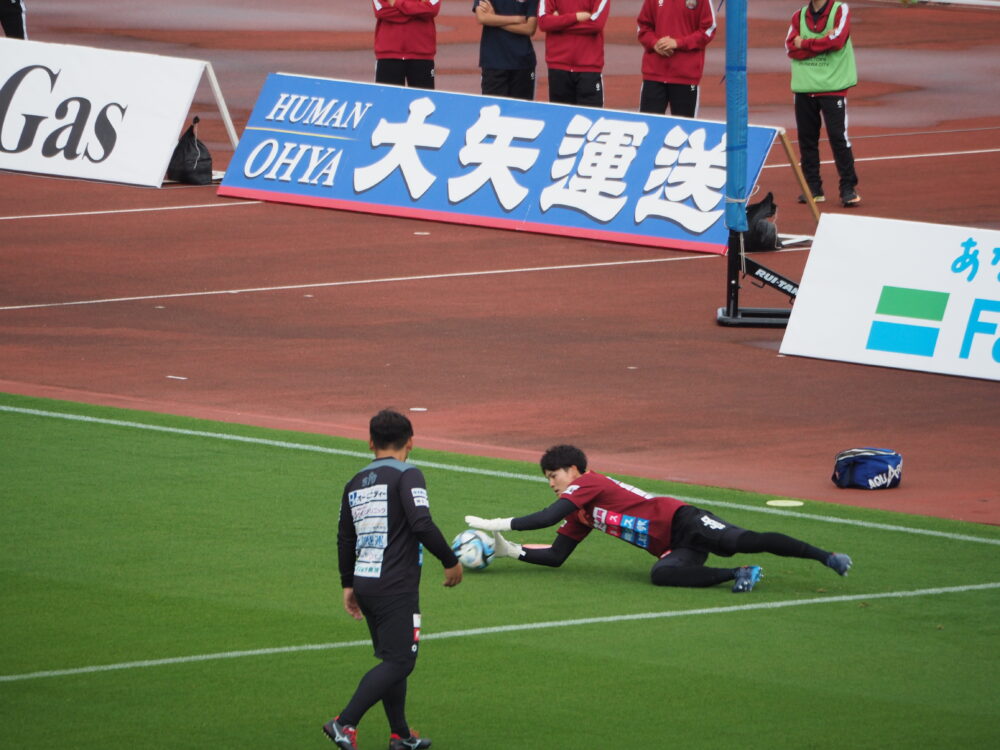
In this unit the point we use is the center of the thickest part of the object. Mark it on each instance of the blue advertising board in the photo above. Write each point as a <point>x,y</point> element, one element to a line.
<point>530,166</point>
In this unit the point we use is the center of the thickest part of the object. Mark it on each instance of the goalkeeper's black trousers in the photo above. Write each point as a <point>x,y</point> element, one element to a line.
<point>685,566</point>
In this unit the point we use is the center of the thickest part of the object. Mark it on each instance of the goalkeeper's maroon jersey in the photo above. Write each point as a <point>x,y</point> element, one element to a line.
<point>620,510</point>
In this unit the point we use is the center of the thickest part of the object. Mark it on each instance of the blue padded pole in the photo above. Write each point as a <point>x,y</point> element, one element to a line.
<point>736,115</point>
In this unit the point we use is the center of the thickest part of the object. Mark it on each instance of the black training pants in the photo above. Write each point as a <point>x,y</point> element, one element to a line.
<point>810,113</point>
<point>394,624</point>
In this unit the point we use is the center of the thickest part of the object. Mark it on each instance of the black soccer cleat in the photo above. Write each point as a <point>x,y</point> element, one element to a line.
<point>343,736</point>
<point>413,742</point>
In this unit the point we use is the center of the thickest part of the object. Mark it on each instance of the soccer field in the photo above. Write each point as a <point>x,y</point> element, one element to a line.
<point>172,583</point>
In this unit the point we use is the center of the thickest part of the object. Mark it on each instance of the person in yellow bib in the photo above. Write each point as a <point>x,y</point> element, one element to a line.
<point>823,70</point>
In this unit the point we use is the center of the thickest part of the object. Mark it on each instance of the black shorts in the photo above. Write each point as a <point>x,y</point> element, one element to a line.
<point>582,89</point>
<point>515,84</point>
<point>394,624</point>
<point>682,99</point>
<point>697,533</point>
<point>417,74</point>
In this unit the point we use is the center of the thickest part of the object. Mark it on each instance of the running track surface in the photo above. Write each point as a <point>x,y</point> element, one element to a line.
<point>506,343</point>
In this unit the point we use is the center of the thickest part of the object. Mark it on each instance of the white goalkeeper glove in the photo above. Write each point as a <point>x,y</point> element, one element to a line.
<point>489,524</point>
<point>503,548</point>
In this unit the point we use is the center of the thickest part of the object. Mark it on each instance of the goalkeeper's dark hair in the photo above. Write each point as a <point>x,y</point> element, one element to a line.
<point>390,429</point>
<point>562,457</point>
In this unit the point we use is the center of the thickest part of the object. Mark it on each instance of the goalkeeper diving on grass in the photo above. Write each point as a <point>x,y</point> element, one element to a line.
<point>679,535</point>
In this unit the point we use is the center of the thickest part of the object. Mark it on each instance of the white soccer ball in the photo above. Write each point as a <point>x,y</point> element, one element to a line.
<point>474,549</point>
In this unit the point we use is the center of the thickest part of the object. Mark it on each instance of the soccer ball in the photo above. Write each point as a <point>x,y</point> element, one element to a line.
<point>474,549</point>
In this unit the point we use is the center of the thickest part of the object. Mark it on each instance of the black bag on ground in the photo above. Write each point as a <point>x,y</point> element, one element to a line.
<point>190,163</point>
<point>762,234</point>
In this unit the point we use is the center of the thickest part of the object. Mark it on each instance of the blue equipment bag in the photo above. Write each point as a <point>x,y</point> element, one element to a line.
<point>868,469</point>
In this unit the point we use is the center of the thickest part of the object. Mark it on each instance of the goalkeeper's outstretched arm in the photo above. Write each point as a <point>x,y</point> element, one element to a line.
<point>553,555</point>
<point>549,516</point>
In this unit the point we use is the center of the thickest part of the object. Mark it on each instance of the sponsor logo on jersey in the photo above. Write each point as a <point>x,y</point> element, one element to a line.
<point>368,495</point>
<point>371,543</point>
<point>367,570</point>
<point>631,529</point>
<point>420,497</point>
<point>371,517</point>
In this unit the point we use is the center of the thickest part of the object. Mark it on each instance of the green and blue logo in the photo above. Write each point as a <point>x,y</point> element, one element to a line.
<point>920,307</point>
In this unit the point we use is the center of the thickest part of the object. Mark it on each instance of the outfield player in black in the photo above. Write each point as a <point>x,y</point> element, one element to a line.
<point>12,19</point>
<point>384,518</point>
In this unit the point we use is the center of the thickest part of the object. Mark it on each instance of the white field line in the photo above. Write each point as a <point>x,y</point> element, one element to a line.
<point>356,282</point>
<point>478,631</point>
<point>477,471</point>
<point>128,211</point>
<point>500,629</point>
<point>940,154</point>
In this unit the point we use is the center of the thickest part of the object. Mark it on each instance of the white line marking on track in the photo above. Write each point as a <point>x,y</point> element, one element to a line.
<point>498,629</point>
<point>128,211</point>
<point>784,165</point>
<point>356,282</point>
<point>478,472</point>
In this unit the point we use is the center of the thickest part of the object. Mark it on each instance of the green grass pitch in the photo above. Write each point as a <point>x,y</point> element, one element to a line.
<point>171,583</point>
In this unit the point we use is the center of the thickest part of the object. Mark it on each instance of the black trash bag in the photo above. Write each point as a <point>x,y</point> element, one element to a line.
<point>762,234</point>
<point>190,163</point>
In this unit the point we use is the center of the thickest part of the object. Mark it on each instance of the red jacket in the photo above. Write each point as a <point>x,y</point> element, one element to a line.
<point>691,23</point>
<point>835,40</point>
<point>405,31</point>
<point>576,46</point>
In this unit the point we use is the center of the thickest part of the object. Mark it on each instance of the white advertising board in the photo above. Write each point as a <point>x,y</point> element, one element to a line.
<point>900,294</point>
<point>91,113</point>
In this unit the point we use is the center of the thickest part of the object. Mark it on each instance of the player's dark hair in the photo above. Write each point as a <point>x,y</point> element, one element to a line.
<point>562,457</point>
<point>390,429</point>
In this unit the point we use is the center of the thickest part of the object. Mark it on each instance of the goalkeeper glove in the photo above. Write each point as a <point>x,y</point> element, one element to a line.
<point>489,524</point>
<point>503,548</point>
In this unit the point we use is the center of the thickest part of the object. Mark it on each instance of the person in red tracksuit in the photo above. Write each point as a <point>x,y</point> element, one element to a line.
<point>405,42</point>
<point>673,35</point>
<point>574,49</point>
